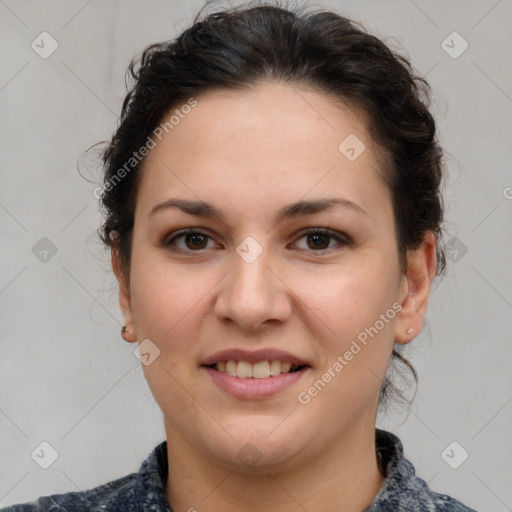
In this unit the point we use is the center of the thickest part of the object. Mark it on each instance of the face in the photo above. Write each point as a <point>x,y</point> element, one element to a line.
<point>261,280</point>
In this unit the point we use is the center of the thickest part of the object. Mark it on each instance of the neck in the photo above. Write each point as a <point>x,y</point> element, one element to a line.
<point>344,478</point>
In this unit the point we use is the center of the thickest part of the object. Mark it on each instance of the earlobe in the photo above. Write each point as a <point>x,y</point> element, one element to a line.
<point>416,284</point>
<point>128,332</point>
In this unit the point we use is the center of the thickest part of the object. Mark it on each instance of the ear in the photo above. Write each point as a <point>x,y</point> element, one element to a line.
<point>124,297</point>
<point>415,289</point>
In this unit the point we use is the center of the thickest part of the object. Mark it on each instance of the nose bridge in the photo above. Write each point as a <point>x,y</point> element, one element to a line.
<point>251,294</point>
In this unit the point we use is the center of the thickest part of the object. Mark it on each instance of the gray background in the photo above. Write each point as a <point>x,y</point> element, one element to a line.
<point>67,377</point>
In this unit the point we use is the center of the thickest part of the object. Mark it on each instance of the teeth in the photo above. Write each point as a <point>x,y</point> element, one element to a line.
<point>244,370</point>
<point>230,368</point>
<point>275,368</point>
<point>261,370</point>
<point>285,367</point>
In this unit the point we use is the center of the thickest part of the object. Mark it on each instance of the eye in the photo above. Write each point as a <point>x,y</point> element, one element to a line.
<point>192,241</point>
<point>319,239</point>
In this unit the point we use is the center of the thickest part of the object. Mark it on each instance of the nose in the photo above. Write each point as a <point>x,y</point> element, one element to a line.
<point>252,295</point>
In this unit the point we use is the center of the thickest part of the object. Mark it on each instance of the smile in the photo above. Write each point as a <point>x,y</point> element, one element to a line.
<point>260,370</point>
<point>254,381</point>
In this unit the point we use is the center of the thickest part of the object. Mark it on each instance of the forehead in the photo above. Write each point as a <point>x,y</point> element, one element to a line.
<point>272,144</point>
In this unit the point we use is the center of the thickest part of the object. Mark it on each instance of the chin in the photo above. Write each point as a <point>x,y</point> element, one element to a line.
<point>259,451</point>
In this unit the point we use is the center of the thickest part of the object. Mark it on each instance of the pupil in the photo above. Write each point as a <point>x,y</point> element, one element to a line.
<point>195,238</point>
<point>317,236</point>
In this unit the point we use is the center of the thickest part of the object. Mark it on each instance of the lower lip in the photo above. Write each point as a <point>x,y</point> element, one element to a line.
<point>254,388</point>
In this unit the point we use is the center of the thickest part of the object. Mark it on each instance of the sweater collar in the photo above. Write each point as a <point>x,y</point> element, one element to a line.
<point>390,458</point>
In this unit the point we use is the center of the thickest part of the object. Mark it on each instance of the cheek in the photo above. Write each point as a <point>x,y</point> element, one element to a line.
<point>168,309</point>
<point>359,310</point>
<point>164,300</point>
<point>347,300</point>
<point>357,345</point>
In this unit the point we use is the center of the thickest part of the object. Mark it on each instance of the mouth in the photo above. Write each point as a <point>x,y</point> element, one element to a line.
<point>255,375</point>
<point>264,369</point>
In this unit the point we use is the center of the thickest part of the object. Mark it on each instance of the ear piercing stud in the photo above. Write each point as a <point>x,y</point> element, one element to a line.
<point>124,332</point>
<point>409,331</point>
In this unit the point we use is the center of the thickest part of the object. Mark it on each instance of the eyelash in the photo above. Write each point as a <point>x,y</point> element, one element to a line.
<point>343,241</point>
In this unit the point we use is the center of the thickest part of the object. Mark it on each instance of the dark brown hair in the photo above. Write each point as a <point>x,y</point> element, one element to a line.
<point>241,47</point>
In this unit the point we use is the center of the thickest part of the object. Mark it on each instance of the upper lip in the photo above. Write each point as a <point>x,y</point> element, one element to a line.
<point>254,356</point>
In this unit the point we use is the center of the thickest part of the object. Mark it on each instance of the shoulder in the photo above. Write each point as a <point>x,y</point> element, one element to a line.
<point>116,492</point>
<point>402,489</point>
<point>135,492</point>
<point>416,496</point>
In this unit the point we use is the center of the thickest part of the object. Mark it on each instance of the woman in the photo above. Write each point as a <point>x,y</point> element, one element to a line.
<point>272,205</point>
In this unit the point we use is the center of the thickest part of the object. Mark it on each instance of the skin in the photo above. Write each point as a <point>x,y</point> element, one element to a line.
<point>250,153</point>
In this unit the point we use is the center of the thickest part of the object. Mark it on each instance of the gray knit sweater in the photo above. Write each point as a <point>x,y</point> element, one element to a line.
<point>144,491</point>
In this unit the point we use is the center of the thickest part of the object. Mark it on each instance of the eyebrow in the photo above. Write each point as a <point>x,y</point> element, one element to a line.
<point>290,211</point>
